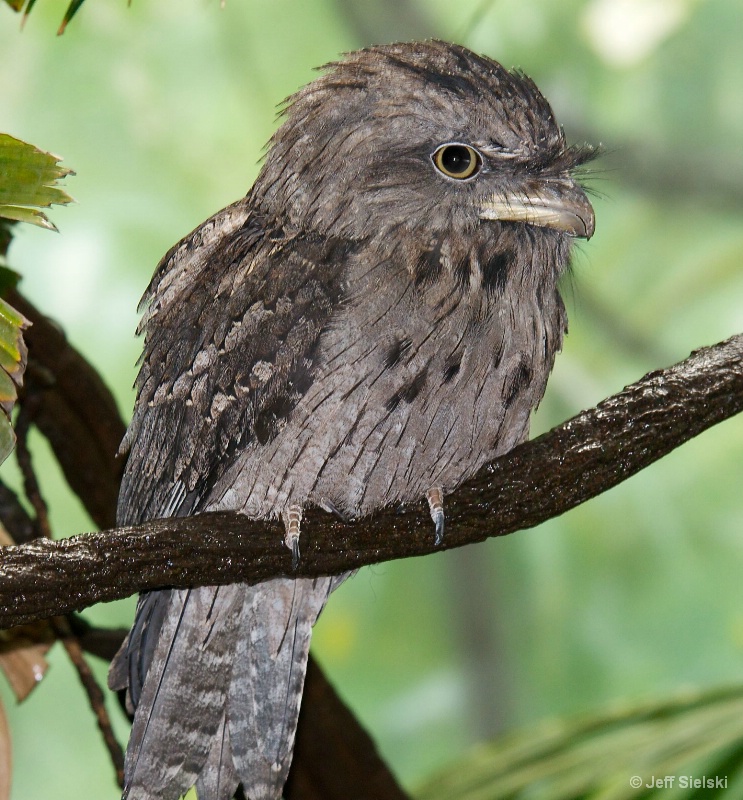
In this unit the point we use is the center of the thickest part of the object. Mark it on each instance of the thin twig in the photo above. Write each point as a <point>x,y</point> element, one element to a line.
<point>60,624</point>
<point>30,483</point>
<point>72,646</point>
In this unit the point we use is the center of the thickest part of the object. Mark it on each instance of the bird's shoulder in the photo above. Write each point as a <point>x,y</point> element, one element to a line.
<point>231,323</point>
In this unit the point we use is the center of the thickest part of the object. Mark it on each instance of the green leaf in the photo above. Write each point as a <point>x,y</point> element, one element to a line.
<point>27,11</point>
<point>597,756</point>
<point>7,438</point>
<point>72,9</point>
<point>69,14</point>
<point>28,178</point>
<point>13,356</point>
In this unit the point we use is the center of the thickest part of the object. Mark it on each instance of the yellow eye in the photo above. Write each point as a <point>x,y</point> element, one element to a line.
<point>458,161</point>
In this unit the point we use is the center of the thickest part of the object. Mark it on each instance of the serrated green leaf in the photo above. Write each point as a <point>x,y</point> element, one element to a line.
<point>13,317</point>
<point>28,181</point>
<point>31,215</point>
<point>8,391</point>
<point>7,438</point>
<point>7,362</point>
<point>13,355</point>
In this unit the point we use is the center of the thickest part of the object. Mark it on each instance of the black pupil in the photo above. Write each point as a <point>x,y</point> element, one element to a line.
<point>456,159</point>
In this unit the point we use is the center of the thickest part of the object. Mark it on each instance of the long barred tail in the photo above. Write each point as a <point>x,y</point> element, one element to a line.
<point>216,676</point>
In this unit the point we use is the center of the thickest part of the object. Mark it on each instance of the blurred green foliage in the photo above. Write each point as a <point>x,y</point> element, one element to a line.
<point>164,107</point>
<point>686,746</point>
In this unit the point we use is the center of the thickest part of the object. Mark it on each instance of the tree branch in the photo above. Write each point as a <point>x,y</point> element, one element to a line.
<point>334,756</point>
<point>541,479</point>
<point>76,413</point>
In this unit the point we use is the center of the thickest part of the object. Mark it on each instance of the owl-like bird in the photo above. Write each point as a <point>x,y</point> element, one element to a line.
<point>371,324</point>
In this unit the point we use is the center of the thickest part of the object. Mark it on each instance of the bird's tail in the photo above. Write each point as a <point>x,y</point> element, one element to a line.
<point>216,676</point>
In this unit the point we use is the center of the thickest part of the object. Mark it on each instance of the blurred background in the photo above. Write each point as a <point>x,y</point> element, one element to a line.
<point>163,108</point>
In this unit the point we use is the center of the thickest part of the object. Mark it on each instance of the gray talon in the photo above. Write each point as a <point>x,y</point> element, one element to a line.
<point>439,523</point>
<point>435,497</point>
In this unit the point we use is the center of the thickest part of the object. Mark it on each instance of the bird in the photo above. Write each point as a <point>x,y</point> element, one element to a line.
<point>371,324</point>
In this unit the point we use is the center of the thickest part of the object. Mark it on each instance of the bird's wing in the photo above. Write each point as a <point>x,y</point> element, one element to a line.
<point>233,316</point>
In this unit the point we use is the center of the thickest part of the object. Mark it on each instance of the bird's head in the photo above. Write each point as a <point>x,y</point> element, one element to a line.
<point>427,139</point>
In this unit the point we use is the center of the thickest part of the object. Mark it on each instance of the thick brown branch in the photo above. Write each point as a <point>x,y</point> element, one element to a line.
<point>75,411</point>
<point>541,479</point>
<point>334,756</point>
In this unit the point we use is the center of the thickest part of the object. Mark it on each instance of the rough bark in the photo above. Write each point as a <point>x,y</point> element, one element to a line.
<point>76,413</point>
<point>541,479</point>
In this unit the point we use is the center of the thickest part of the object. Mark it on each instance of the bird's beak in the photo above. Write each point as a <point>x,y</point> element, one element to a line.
<point>556,203</point>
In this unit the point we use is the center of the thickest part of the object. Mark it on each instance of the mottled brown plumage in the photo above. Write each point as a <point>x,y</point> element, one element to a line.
<point>371,324</point>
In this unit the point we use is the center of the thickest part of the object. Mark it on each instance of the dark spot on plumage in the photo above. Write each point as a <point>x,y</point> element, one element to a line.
<point>318,250</point>
<point>498,353</point>
<point>428,266</point>
<point>337,249</point>
<point>548,348</point>
<point>456,84</point>
<point>462,270</point>
<point>393,402</point>
<point>409,392</point>
<point>413,389</point>
<point>403,64</point>
<point>239,245</point>
<point>302,377</point>
<point>458,79</point>
<point>451,368</point>
<point>539,296</point>
<point>396,352</point>
<point>348,438</point>
<point>267,348</point>
<point>267,420</point>
<point>518,380</point>
<point>495,271</point>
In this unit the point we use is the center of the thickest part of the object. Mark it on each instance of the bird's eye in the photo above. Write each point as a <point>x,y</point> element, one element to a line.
<point>458,161</point>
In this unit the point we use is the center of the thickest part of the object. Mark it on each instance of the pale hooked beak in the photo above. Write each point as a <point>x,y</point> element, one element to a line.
<point>555,203</point>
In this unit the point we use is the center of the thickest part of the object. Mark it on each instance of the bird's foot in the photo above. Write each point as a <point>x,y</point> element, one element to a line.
<point>292,517</point>
<point>435,497</point>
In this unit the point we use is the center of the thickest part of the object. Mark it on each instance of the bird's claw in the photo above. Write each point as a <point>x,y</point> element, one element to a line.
<point>295,553</point>
<point>438,521</point>
<point>435,497</point>
<point>292,521</point>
